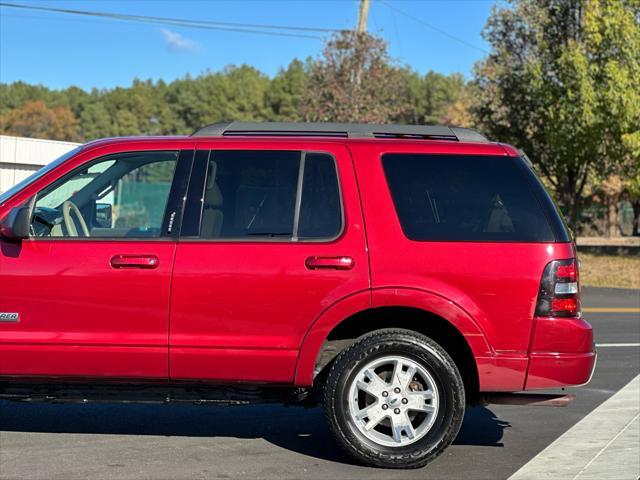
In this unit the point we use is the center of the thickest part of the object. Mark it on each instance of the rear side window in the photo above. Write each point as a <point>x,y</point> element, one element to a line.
<point>464,198</point>
<point>286,195</point>
<point>320,210</point>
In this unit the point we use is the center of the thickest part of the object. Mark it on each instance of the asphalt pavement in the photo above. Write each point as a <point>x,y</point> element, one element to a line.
<point>44,441</point>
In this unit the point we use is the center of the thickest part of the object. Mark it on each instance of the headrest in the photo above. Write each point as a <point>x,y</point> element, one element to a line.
<point>213,195</point>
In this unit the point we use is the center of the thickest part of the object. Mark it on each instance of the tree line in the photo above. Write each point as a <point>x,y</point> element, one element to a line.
<point>560,81</point>
<point>150,107</point>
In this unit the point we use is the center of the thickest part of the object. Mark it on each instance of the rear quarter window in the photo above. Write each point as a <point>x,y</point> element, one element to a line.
<point>464,198</point>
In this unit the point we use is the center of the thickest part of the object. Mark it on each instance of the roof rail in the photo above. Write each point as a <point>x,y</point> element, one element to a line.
<point>345,130</point>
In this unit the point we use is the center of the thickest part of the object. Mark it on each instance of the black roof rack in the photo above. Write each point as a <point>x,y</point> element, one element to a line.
<point>344,130</point>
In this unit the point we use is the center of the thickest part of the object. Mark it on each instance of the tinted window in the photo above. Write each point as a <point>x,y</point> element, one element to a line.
<point>250,194</point>
<point>455,197</point>
<point>320,210</point>
<point>122,195</point>
<point>259,194</point>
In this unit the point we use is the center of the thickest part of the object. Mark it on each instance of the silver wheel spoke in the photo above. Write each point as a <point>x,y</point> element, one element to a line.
<point>375,416</point>
<point>401,426</point>
<point>418,401</point>
<point>400,377</point>
<point>371,383</point>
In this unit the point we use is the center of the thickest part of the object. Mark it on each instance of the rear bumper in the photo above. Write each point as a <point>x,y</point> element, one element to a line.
<point>559,370</point>
<point>562,353</point>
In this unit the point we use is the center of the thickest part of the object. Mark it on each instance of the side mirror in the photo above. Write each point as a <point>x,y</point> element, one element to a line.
<point>17,223</point>
<point>104,215</point>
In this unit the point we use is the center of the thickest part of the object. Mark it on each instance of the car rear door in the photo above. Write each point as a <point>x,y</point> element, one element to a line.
<point>272,236</point>
<point>91,286</point>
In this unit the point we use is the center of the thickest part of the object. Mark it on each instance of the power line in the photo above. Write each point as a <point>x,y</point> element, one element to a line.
<point>129,22</point>
<point>432,27</point>
<point>118,16</point>
<point>200,24</point>
<point>260,29</point>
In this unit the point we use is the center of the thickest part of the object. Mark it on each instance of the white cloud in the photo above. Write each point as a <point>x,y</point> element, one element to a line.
<point>177,43</point>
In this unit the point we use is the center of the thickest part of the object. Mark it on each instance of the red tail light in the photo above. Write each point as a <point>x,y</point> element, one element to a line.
<point>559,294</point>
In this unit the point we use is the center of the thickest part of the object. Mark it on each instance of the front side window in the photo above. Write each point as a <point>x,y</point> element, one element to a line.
<point>464,198</point>
<point>120,196</point>
<point>286,195</point>
<point>38,174</point>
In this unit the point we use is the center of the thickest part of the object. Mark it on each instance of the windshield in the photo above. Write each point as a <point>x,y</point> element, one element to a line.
<point>36,175</point>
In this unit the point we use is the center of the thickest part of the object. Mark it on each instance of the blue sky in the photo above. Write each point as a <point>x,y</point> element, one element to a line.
<point>60,50</point>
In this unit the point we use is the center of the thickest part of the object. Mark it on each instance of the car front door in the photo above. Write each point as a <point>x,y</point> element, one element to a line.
<point>91,285</point>
<point>272,236</point>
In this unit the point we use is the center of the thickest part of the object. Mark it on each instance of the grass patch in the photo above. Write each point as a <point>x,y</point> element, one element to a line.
<point>609,270</point>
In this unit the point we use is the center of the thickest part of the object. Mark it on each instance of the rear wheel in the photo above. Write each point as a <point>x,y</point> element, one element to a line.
<point>394,399</point>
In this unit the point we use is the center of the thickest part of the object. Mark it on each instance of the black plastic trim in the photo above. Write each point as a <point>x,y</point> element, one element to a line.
<point>344,130</point>
<point>194,204</point>
<point>172,220</point>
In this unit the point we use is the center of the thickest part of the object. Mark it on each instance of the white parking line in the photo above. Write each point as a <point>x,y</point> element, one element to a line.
<point>611,310</point>
<point>603,445</point>
<point>598,345</point>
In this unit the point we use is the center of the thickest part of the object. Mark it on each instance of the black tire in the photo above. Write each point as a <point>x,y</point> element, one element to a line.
<point>430,356</point>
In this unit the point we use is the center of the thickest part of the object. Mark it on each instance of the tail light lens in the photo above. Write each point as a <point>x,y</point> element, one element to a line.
<point>559,294</point>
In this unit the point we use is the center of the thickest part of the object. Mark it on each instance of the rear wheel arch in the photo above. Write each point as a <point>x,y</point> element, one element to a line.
<point>336,329</point>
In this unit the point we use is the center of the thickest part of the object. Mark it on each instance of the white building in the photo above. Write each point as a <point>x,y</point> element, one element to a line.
<point>20,157</point>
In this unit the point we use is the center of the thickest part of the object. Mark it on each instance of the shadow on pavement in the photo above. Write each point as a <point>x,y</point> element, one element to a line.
<point>297,429</point>
<point>481,427</point>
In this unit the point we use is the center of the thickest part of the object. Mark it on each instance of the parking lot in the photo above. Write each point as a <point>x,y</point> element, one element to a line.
<point>271,441</point>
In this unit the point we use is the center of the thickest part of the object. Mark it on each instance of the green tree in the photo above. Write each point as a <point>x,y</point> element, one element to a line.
<point>633,188</point>
<point>630,171</point>
<point>562,83</point>
<point>286,92</point>
<point>126,123</point>
<point>236,93</point>
<point>354,81</point>
<point>370,88</point>
<point>436,99</point>
<point>95,122</point>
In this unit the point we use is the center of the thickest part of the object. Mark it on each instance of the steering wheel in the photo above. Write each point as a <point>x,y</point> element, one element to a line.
<point>68,208</point>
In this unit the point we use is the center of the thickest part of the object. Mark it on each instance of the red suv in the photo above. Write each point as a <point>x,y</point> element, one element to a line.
<point>396,273</point>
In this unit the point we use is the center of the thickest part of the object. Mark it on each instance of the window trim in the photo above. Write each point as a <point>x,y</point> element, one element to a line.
<point>164,236</point>
<point>198,193</point>
<point>518,170</point>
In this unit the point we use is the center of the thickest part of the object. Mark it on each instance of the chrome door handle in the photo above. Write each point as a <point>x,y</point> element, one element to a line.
<point>135,261</point>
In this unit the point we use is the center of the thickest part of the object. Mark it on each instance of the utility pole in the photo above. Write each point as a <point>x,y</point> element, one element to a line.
<point>363,14</point>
